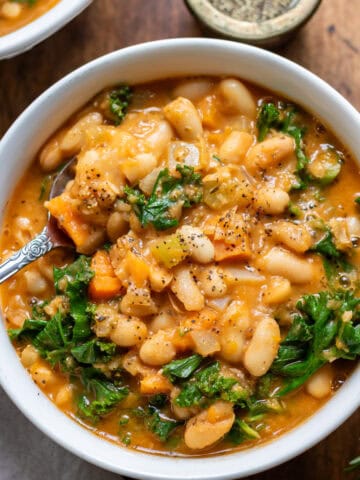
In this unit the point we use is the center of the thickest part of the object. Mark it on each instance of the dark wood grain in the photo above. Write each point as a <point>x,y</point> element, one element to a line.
<point>329,46</point>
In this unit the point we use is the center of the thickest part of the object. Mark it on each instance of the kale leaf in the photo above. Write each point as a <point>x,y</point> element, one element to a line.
<point>182,368</point>
<point>268,118</point>
<point>168,191</point>
<point>333,259</point>
<point>66,340</point>
<point>28,331</point>
<point>93,351</point>
<point>159,424</point>
<point>209,383</point>
<point>101,396</point>
<point>73,281</point>
<point>240,432</point>
<point>327,328</point>
<point>119,101</point>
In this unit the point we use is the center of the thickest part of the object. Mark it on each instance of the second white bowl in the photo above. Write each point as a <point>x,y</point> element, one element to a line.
<point>27,37</point>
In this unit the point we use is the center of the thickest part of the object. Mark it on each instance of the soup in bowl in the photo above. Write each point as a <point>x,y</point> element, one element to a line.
<point>25,23</point>
<point>209,304</point>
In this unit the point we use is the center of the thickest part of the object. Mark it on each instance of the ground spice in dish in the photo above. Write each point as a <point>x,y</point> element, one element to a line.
<point>253,10</point>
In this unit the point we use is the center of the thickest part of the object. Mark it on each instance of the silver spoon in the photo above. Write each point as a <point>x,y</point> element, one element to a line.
<point>51,237</point>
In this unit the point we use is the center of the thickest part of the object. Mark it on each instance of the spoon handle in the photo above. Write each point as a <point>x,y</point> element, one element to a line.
<point>33,250</point>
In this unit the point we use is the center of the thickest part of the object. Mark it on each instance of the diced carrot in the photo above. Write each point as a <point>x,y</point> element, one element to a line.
<point>105,284</point>
<point>181,340</point>
<point>209,112</point>
<point>153,384</point>
<point>68,220</point>
<point>203,320</point>
<point>224,251</point>
<point>138,268</point>
<point>101,264</point>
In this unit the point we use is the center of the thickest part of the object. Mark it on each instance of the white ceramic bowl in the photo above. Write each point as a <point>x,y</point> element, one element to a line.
<point>35,32</point>
<point>141,63</point>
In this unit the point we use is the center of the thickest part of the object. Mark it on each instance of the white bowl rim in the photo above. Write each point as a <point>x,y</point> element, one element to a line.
<point>40,411</point>
<point>26,37</point>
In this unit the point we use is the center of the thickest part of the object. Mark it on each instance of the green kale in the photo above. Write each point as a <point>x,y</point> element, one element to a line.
<point>126,439</point>
<point>28,331</point>
<point>268,118</point>
<point>159,424</point>
<point>119,101</point>
<point>73,281</point>
<point>101,396</point>
<point>159,400</point>
<point>357,200</point>
<point>318,334</point>
<point>53,336</point>
<point>333,259</point>
<point>182,368</point>
<point>93,351</point>
<point>266,405</point>
<point>189,396</point>
<point>208,383</point>
<point>31,327</point>
<point>240,432</point>
<point>168,191</point>
<point>44,187</point>
<point>290,128</point>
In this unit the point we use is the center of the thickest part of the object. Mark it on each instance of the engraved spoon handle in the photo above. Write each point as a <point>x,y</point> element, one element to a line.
<point>33,250</point>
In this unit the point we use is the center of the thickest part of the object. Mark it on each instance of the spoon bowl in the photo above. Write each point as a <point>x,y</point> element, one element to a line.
<point>49,238</point>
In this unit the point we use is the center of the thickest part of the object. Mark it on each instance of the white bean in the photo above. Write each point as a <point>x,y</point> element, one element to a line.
<point>193,89</point>
<point>263,347</point>
<point>269,153</point>
<point>36,284</point>
<point>74,138</point>
<point>184,117</point>
<point>283,263</point>
<point>128,331</point>
<point>187,291</point>
<point>200,247</point>
<point>64,395</point>
<point>116,226</point>
<point>296,237</point>
<point>212,282</point>
<point>138,167</point>
<point>319,385</point>
<point>209,426</point>
<point>232,338</point>
<point>159,138</point>
<point>235,147</point>
<point>10,10</point>
<point>29,356</point>
<point>51,155</point>
<point>277,291</point>
<point>237,97</point>
<point>162,321</point>
<point>271,200</point>
<point>42,375</point>
<point>157,350</point>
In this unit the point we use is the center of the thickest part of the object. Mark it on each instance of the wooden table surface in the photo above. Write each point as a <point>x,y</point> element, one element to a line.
<point>329,46</point>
